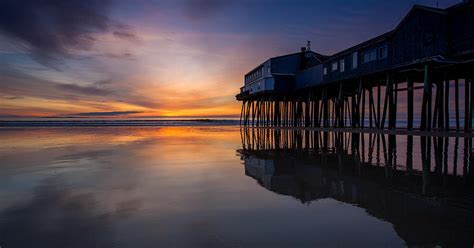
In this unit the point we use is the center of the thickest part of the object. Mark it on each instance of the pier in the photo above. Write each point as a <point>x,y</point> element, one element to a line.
<point>418,76</point>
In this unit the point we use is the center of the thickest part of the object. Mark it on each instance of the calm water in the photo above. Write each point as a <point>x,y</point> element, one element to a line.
<point>206,186</point>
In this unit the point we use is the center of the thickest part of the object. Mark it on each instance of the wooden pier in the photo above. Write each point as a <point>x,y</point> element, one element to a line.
<point>418,76</point>
<point>367,106</point>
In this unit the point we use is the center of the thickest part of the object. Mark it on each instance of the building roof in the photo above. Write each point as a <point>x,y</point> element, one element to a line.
<point>389,34</point>
<point>321,58</point>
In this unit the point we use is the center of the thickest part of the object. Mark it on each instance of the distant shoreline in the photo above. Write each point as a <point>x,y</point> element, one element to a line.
<point>116,122</point>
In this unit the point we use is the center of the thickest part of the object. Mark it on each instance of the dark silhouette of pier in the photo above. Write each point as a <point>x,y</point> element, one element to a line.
<point>429,202</point>
<point>429,56</point>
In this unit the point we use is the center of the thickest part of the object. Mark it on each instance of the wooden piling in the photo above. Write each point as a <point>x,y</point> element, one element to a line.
<point>362,121</point>
<point>456,104</point>
<point>466,105</point>
<point>426,104</point>
<point>410,100</point>
<point>446,104</point>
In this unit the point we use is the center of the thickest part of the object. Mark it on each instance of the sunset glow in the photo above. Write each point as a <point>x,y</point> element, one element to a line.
<point>162,58</point>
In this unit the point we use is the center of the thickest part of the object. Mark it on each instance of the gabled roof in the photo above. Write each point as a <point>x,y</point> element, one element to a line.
<point>422,8</point>
<point>460,5</point>
<point>321,58</point>
<point>389,34</point>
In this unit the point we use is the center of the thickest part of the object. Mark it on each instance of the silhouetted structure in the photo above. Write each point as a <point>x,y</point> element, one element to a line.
<point>430,50</point>
<point>428,206</point>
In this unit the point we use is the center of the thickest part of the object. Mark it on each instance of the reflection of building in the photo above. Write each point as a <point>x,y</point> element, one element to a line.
<point>278,177</point>
<point>260,169</point>
<point>425,208</point>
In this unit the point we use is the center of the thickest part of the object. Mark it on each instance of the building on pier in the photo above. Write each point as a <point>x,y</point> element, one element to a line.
<point>279,74</point>
<point>430,46</point>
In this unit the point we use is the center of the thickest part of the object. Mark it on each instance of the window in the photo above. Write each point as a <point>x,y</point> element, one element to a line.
<point>342,65</point>
<point>370,56</point>
<point>383,52</point>
<point>355,60</point>
<point>325,71</point>
<point>334,66</point>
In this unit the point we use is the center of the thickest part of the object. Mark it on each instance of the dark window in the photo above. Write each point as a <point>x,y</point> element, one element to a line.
<point>355,57</point>
<point>370,56</point>
<point>383,52</point>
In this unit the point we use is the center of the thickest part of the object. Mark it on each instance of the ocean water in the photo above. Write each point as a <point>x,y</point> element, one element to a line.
<point>162,121</point>
<point>98,122</point>
<point>223,186</point>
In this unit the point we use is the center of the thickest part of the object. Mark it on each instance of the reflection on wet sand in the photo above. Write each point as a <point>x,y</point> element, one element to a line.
<point>422,185</point>
<point>185,187</point>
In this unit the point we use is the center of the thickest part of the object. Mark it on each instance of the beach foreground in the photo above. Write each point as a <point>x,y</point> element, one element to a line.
<point>220,186</point>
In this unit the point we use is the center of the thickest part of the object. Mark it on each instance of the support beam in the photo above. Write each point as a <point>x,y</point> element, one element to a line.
<point>426,104</point>
<point>456,104</point>
<point>446,103</point>
<point>242,112</point>
<point>410,96</point>
<point>378,105</point>
<point>387,93</point>
<point>466,105</point>
<point>471,101</point>
<point>392,114</point>
<point>362,121</point>
<point>372,116</point>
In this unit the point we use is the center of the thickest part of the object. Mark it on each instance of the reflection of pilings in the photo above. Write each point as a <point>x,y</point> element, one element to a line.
<point>423,212</point>
<point>366,149</point>
<point>409,156</point>
<point>426,161</point>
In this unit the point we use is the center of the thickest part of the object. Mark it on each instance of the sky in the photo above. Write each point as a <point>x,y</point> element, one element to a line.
<point>137,58</point>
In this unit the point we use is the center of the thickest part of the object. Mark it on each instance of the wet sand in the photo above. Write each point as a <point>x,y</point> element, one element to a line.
<point>220,187</point>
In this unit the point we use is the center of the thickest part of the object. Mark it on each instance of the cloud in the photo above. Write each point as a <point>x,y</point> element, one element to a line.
<point>15,84</point>
<point>110,113</point>
<point>84,90</point>
<point>51,30</point>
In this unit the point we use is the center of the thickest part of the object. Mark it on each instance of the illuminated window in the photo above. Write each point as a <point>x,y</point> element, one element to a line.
<point>325,71</point>
<point>343,65</point>
<point>334,66</point>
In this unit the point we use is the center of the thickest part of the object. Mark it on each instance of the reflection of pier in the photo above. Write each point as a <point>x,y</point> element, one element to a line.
<point>428,204</point>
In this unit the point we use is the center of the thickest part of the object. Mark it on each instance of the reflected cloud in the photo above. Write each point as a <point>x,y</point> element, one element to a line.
<point>61,218</point>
